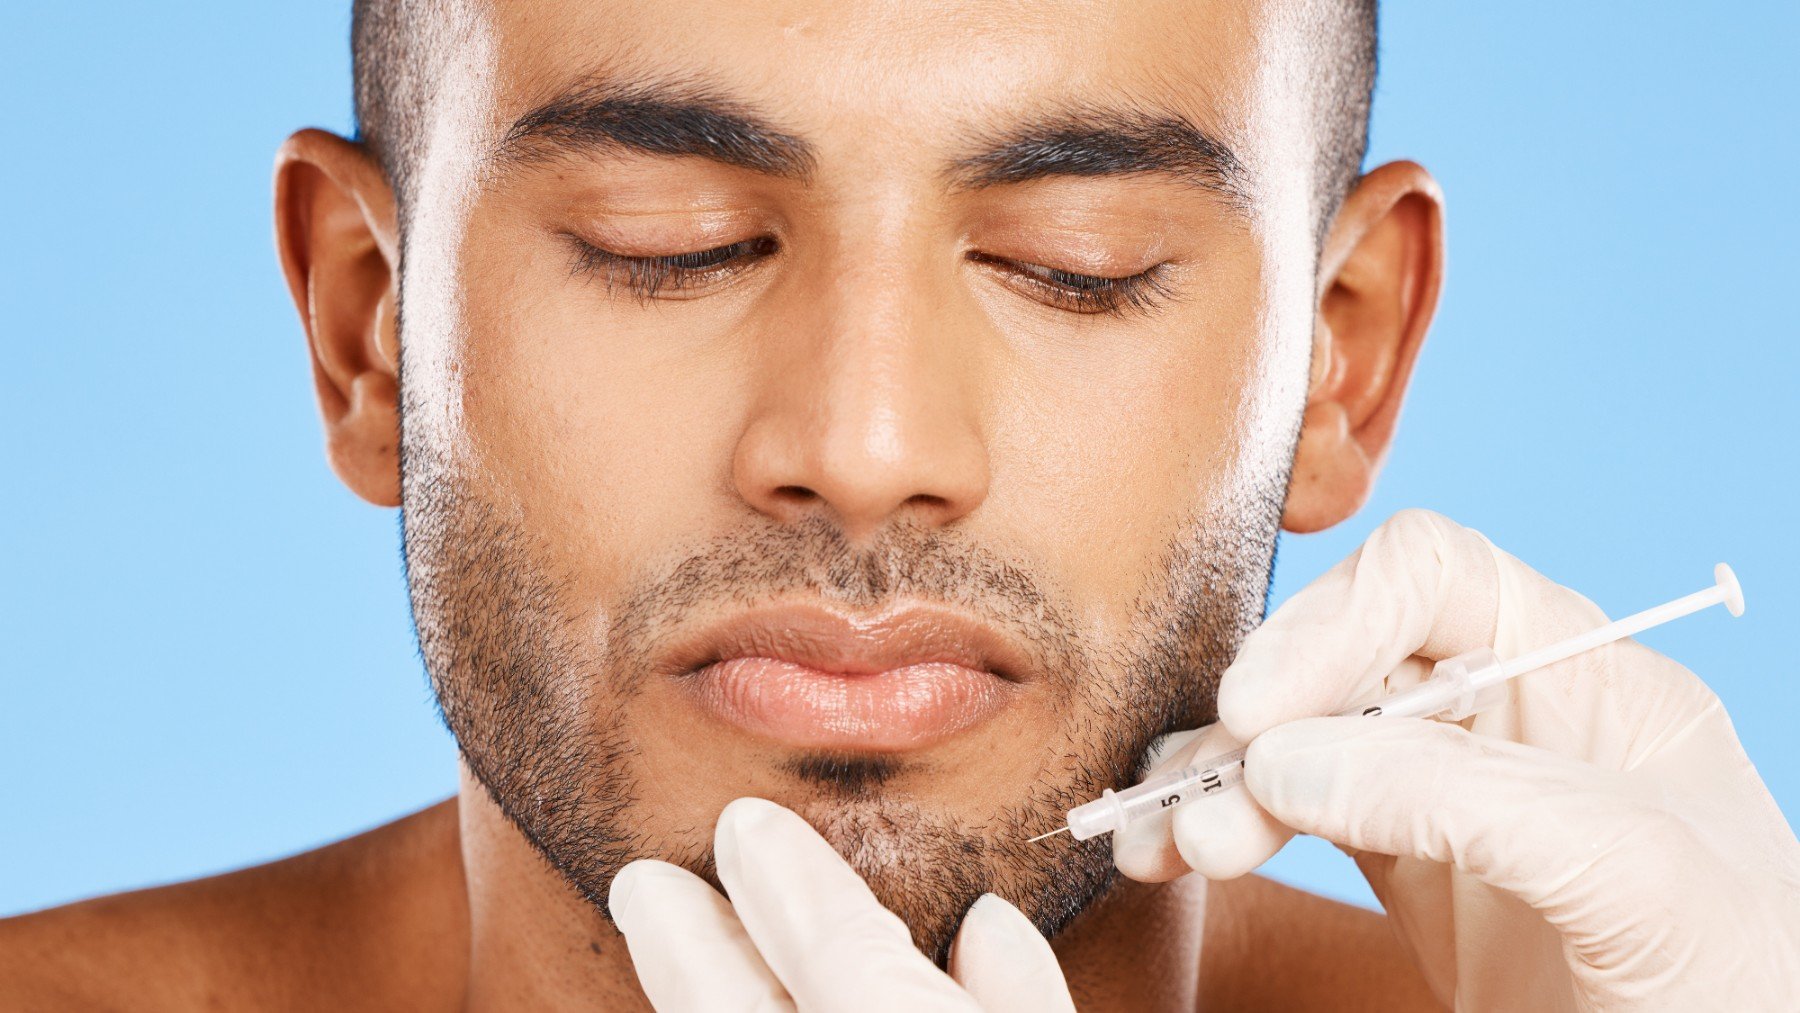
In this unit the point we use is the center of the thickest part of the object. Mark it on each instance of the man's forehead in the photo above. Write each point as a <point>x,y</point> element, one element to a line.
<point>928,69</point>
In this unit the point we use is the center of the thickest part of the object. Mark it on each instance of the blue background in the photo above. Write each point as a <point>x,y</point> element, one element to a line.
<point>205,652</point>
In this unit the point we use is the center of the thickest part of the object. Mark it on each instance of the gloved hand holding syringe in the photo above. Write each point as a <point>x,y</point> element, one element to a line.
<point>1457,688</point>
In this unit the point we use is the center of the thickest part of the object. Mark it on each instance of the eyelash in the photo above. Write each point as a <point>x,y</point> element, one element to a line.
<point>1088,293</point>
<point>648,277</point>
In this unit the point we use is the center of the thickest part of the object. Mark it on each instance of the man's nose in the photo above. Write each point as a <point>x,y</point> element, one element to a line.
<point>867,413</point>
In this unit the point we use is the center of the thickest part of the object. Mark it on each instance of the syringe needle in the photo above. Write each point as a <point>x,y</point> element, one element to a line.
<point>1053,833</point>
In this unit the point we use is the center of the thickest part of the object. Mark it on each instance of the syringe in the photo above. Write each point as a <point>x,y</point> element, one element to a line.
<point>1456,688</point>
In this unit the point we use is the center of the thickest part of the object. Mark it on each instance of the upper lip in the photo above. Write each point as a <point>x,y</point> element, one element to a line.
<point>851,644</point>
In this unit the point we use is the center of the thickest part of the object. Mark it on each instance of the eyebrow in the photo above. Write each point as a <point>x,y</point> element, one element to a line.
<point>656,119</point>
<point>687,119</point>
<point>1107,142</point>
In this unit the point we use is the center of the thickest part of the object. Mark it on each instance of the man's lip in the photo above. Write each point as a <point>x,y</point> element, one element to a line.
<point>840,643</point>
<point>811,678</point>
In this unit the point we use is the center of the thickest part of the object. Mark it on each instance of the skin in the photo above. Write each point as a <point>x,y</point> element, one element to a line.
<point>872,376</point>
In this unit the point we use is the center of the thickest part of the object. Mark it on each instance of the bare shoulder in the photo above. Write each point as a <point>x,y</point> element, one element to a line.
<point>1271,946</point>
<point>351,925</point>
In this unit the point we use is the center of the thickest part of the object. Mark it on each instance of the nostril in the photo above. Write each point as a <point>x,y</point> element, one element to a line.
<point>794,494</point>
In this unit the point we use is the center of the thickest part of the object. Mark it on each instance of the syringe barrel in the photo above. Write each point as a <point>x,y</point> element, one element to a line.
<point>1115,810</point>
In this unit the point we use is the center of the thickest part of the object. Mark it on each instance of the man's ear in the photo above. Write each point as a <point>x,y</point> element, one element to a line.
<point>335,228</point>
<point>1379,273</point>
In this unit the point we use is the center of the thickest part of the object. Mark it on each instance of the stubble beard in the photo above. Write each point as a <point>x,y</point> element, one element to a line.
<point>535,700</point>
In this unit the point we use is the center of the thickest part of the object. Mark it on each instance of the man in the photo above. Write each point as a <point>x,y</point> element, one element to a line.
<point>833,440</point>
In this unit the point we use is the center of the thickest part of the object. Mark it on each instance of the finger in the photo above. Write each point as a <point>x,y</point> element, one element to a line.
<point>816,923</point>
<point>1421,584</point>
<point>1003,961</point>
<point>1220,837</point>
<point>689,949</point>
<point>1570,840</point>
<point>1228,836</point>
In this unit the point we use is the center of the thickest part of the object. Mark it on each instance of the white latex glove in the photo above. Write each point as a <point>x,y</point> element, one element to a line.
<point>803,931</point>
<point>1600,841</point>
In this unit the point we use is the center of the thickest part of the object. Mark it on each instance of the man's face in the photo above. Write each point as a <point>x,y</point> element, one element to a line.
<point>883,409</point>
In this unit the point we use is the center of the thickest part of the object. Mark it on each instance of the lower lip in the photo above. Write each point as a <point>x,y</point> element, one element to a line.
<point>902,708</point>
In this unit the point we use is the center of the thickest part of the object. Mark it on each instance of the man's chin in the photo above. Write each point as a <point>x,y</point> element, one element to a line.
<point>928,862</point>
<point>920,864</point>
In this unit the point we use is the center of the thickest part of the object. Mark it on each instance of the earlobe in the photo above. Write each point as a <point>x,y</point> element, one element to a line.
<point>335,230</point>
<point>1332,477</point>
<point>1380,270</point>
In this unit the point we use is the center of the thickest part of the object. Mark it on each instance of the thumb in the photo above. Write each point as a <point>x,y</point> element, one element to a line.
<point>1002,960</point>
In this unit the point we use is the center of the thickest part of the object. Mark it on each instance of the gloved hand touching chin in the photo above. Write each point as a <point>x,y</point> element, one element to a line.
<point>801,930</point>
<point>1600,841</point>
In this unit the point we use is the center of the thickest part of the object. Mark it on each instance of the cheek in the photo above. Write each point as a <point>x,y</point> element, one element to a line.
<point>1109,458</point>
<point>600,425</point>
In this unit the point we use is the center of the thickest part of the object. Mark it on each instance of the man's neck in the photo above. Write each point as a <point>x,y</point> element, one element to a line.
<point>534,943</point>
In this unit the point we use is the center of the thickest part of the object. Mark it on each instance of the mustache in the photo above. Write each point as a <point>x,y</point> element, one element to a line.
<point>902,562</point>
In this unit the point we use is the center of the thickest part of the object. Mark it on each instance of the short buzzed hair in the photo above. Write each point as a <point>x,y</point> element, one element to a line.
<point>392,76</point>
<point>1344,93</point>
<point>393,42</point>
